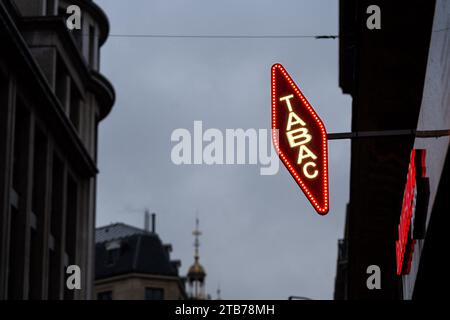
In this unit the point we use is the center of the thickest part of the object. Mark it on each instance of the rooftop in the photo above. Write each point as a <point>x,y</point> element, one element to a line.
<point>116,231</point>
<point>124,249</point>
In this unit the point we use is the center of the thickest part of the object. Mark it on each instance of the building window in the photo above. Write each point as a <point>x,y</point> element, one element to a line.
<point>154,294</point>
<point>105,295</point>
<point>56,223</point>
<point>75,107</point>
<point>21,127</point>
<point>51,7</point>
<point>112,252</point>
<point>72,207</point>
<point>62,12</point>
<point>92,46</point>
<point>112,256</point>
<point>62,84</point>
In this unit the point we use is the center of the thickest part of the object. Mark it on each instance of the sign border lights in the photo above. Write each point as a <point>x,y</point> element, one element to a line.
<point>320,205</point>
<point>411,225</point>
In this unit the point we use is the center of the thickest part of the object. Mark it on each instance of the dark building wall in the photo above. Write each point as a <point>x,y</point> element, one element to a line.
<point>434,114</point>
<point>384,72</point>
<point>52,100</point>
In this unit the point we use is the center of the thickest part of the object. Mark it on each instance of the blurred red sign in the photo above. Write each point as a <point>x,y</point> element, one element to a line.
<point>414,210</point>
<point>300,139</point>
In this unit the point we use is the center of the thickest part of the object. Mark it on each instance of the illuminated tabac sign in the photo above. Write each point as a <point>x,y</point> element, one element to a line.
<point>300,139</point>
<point>414,211</point>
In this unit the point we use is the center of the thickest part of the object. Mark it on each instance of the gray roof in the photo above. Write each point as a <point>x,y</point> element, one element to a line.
<point>123,249</point>
<point>116,231</point>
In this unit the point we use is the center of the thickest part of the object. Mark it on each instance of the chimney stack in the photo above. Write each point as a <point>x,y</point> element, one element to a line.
<point>147,221</point>
<point>153,222</point>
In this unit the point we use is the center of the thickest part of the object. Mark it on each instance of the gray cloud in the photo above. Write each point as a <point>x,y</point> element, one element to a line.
<point>261,237</point>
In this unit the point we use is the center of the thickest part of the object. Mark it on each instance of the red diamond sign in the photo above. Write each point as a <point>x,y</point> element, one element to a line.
<point>300,139</point>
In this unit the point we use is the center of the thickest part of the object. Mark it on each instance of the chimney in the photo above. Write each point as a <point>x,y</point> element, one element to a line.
<point>147,221</point>
<point>153,222</point>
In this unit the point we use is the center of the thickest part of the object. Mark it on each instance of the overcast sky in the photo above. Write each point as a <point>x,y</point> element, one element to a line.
<point>261,238</point>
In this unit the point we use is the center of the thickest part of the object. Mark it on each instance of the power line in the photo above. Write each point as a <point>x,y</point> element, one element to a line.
<point>235,36</point>
<point>204,36</point>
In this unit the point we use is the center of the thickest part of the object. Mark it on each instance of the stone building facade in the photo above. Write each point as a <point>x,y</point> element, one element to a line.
<point>133,264</point>
<point>52,98</point>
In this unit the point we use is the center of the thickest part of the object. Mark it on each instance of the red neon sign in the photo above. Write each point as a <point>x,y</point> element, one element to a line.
<point>301,142</point>
<point>404,246</point>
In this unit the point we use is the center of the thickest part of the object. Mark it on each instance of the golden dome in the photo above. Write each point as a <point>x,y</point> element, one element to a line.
<point>196,272</point>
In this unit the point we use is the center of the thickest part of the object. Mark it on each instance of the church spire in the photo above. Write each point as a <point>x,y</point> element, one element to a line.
<point>219,292</point>
<point>196,274</point>
<point>197,233</point>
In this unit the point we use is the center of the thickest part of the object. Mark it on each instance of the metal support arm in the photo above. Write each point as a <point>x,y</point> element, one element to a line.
<point>389,133</point>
